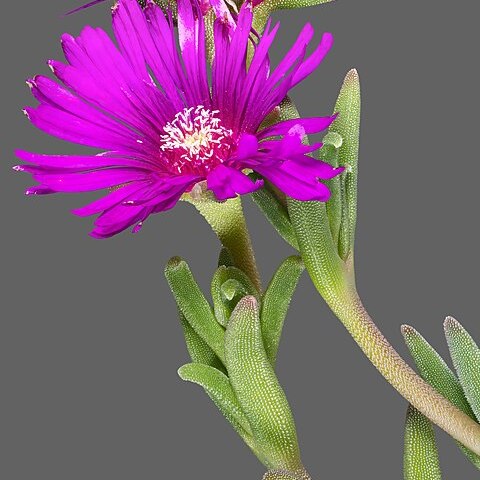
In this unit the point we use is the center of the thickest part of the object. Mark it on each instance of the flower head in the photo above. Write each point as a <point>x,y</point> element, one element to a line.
<point>163,125</point>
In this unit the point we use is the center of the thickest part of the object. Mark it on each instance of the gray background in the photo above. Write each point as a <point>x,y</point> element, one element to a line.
<point>90,342</point>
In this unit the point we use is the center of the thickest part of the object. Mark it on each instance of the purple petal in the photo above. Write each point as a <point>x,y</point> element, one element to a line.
<point>291,182</point>
<point>113,198</point>
<point>117,219</point>
<point>308,167</point>
<point>227,182</point>
<point>85,182</point>
<point>314,60</point>
<point>68,162</point>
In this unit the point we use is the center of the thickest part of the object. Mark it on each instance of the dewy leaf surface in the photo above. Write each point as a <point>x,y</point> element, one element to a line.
<point>257,388</point>
<point>221,287</point>
<point>466,360</point>
<point>197,348</point>
<point>219,389</point>
<point>420,461</point>
<point>347,125</point>
<point>436,372</point>
<point>194,306</point>
<point>276,301</point>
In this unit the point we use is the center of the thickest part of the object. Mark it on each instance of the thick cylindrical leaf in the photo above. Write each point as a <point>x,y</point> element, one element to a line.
<point>436,372</point>
<point>329,153</point>
<point>229,285</point>
<point>198,349</point>
<point>276,301</point>
<point>466,360</point>
<point>218,388</point>
<point>347,125</point>
<point>420,460</point>
<point>257,388</point>
<point>284,475</point>
<point>193,305</point>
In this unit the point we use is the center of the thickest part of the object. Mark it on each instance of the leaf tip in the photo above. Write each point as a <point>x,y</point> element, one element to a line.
<point>407,330</point>
<point>183,372</point>
<point>249,302</point>
<point>352,76</point>
<point>451,324</point>
<point>174,263</point>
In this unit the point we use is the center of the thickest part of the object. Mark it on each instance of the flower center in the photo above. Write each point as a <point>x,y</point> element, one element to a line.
<point>196,140</point>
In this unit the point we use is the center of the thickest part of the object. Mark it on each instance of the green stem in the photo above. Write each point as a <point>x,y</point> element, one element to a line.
<point>228,222</point>
<point>334,280</point>
<point>401,376</point>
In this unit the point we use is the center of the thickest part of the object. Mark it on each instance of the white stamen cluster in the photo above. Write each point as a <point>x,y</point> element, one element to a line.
<point>196,138</point>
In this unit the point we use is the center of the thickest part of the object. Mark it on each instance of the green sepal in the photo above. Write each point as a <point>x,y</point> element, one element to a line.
<point>436,372</point>
<point>465,356</point>
<point>276,212</point>
<point>194,306</point>
<point>257,388</point>
<point>217,386</point>
<point>276,301</point>
<point>198,350</point>
<point>229,282</point>
<point>420,460</point>
<point>347,125</point>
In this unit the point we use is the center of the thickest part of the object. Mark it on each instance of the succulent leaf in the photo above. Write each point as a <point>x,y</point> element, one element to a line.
<point>347,125</point>
<point>284,475</point>
<point>257,388</point>
<point>276,301</point>
<point>420,461</point>
<point>329,153</point>
<point>194,306</point>
<point>466,360</point>
<point>199,351</point>
<point>436,372</point>
<point>229,285</point>
<point>218,388</point>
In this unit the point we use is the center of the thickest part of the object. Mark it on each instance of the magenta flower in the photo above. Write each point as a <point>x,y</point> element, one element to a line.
<point>161,127</point>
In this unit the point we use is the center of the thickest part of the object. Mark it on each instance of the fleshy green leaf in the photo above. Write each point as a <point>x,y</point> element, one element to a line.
<point>420,461</point>
<point>436,372</point>
<point>229,285</point>
<point>284,475</point>
<point>276,213</point>
<point>218,388</point>
<point>193,305</point>
<point>329,153</point>
<point>257,388</point>
<point>312,229</point>
<point>347,125</point>
<point>276,301</point>
<point>466,360</point>
<point>199,351</point>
